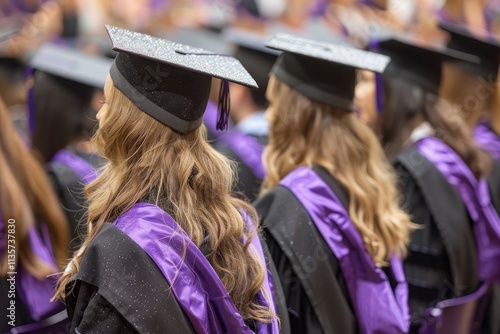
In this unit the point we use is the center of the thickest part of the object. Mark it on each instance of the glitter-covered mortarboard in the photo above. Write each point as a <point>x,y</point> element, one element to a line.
<point>170,81</point>
<point>321,71</point>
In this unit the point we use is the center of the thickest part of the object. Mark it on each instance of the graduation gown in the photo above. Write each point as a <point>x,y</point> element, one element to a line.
<point>492,321</point>
<point>315,289</point>
<point>442,256</point>
<point>122,288</point>
<point>70,191</point>
<point>69,183</point>
<point>32,310</point>
<point>119,289</point>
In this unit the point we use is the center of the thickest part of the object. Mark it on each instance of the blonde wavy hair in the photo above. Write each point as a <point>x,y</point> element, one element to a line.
<point>185,174</point>
<point>304,133</point>
<point>26,197</point>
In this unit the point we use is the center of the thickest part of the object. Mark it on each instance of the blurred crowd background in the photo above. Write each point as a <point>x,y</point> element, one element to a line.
<point>26,25</point>
<point>81,22</point>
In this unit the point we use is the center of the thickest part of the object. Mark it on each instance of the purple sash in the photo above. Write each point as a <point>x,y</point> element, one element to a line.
<point>377,308</point>
<point>35,293</point>
<point>82,168</point>
<point>248,148</point>
<point>487,139</point>
<point>196,286</point>
<point>476,198</point>
<point>210,119</point>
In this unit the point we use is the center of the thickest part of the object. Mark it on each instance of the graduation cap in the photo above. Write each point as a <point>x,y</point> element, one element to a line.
<point>418,62</point>
<point>170,81</point>
<point>414,61</point>
<point>68,64</point>
<point>71,64</point>
<point>321,71</point>
<point>253,54</point>
<point>480,44</point>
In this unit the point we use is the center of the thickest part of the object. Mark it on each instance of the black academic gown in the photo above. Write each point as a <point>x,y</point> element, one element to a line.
<point>492,321</point>
<point>315,290</point>
<point>442,257</point>
<point>69,190</point>
<point>248,185</point>
<point>119,289</point>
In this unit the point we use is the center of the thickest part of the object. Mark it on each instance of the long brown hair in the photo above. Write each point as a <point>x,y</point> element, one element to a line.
<point>406,104</point>
<point>26,197</point>
<point>192,182</point>
<point>304,132</point>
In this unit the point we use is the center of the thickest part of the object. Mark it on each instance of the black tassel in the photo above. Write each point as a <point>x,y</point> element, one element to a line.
<point>224,106</point>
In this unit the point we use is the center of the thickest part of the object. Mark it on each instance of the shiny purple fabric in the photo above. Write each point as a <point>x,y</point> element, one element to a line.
<point>211,117</point>
<point>487,139</point>
<point>378,310</point>
<point>249,149</point>
<point>195,285</point>
<point>82,168</point>
<point>475,195</point>
<point>36,294</point>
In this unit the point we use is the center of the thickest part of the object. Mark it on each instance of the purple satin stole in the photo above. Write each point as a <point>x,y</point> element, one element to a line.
<point>248,148</point>
<point>35,293</point>
<point>378,310</point>
<point>195,285</point>
<point>210,119</point>
<point>82,168</point>
<point>487,139</point>
<point>476,198</point>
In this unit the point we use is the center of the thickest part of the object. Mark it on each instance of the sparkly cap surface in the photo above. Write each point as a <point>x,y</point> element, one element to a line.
<point>323,72</point>
<point>334,53</point>
<point>183,56</point>
<point>171,82</point>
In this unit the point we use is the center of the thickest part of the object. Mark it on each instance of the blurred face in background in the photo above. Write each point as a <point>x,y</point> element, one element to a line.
<point>365,97</point>
<point>135,13</point>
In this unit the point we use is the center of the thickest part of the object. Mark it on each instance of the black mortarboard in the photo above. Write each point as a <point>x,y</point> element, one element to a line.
<point>419,63</point>
<point>170,81</point>
<point>479,44</point>
<point>76,71</point>
<point>71,64</point>
<point>253,54</point>
<point>321,71</point>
